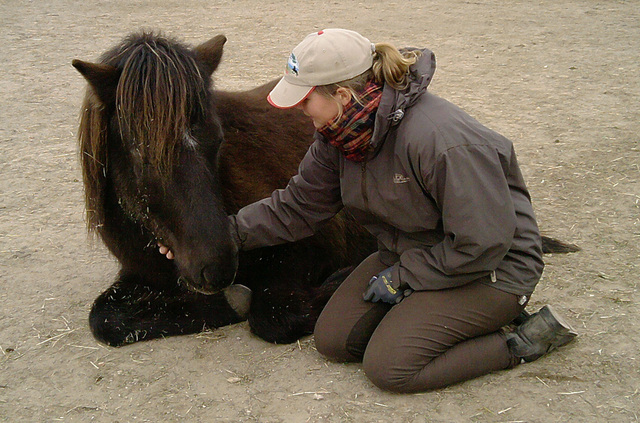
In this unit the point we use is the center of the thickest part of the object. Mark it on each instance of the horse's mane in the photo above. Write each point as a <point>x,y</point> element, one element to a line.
<point>160,93</point>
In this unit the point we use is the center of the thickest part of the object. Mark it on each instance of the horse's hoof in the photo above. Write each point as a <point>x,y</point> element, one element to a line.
<point>239,298</point>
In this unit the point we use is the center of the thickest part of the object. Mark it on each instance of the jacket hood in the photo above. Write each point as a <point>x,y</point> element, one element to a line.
<point>421,74</point>
<point>394,103</point>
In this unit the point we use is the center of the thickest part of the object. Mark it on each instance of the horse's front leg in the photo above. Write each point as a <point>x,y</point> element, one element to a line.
<point>280,314</point>
<point>284,310</point>
<point>286,300</point>
<point>131,311</point>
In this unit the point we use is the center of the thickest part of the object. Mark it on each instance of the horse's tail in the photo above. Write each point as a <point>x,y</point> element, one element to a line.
<point>552,245</point>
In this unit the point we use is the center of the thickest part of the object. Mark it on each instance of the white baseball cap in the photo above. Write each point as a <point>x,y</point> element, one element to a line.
<point>324,57</point>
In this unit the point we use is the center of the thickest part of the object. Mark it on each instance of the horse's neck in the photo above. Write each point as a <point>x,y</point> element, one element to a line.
<point>238,109</point>
<point>247,117</point>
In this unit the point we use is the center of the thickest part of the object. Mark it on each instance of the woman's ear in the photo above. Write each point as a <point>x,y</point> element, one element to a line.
<point>343,95</point>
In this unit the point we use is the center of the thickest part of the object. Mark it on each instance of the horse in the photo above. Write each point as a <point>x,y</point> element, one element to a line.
<point>167,158</point>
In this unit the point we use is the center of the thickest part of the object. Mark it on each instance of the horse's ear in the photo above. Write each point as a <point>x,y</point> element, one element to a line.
<point>103,79</point>
<point>209,53</point>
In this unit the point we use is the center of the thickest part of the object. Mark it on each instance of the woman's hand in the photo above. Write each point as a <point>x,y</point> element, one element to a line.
<point>165,251</point>
<point>382,288</point>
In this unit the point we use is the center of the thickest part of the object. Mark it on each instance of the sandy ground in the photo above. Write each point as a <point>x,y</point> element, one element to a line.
<point>560,78</point>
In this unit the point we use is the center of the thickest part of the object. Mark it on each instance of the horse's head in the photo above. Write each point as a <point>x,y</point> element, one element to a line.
<point>149,137</point>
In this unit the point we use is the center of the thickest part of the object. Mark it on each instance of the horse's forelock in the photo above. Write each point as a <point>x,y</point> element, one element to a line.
<point>159,94</point>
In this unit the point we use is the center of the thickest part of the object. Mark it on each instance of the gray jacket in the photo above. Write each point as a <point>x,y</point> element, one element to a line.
<point>443,195</point>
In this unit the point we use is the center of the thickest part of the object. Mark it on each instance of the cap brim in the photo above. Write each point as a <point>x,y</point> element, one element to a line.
<point>286,95</point>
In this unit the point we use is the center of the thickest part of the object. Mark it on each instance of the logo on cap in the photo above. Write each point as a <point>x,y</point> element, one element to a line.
<point>292,65</point>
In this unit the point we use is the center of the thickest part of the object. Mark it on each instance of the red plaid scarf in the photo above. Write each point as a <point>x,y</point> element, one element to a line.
<point>351,132</point>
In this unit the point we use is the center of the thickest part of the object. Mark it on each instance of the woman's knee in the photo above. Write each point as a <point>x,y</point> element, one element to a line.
<point>386,376</point>
<point>330,338</point>
<point>325,343</point>
<point>388,371</point>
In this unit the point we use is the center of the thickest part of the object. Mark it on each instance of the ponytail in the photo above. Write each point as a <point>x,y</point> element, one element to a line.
<point>392,66</point>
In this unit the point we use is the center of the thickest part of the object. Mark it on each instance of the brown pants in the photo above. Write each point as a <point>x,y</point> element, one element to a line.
<point>430,340</point>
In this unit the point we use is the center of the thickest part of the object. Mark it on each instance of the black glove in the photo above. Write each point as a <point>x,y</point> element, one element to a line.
<point>381,288</point>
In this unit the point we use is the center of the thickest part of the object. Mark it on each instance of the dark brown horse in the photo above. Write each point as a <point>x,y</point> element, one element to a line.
<point>166,158</point>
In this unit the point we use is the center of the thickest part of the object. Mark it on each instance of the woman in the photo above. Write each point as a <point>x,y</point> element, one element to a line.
<point>459,248</point>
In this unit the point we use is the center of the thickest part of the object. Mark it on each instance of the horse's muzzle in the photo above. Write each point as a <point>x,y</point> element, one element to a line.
<point>210,282</point>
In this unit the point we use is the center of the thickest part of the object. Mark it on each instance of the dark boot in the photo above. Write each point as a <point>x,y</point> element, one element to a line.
<point>522,317</point>
<point>540,333</point>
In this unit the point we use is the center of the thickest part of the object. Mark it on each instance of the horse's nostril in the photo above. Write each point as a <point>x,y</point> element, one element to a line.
<point>210,276</point>
<point>207,275</point>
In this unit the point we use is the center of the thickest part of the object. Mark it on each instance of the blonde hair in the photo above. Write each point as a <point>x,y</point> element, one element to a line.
<point>390,66</point>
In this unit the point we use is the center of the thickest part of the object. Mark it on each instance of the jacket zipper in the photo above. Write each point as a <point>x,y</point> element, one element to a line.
<point>363,185</point>
<point>396,235</point>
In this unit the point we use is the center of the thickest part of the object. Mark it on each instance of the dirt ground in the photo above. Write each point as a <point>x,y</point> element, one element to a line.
<point>560,78</point>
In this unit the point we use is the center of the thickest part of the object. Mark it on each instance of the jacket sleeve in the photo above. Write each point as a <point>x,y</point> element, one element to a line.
<point>470,188</point>
<point>311,198</point>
